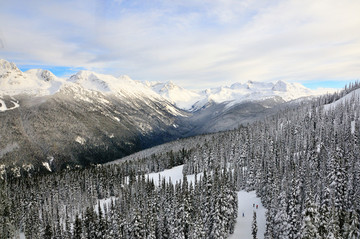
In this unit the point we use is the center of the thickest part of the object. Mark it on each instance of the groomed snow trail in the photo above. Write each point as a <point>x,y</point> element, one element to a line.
<point>243,224</point>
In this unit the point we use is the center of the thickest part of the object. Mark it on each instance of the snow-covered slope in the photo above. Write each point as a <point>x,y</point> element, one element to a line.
<point>37,82</point>
<point>354,95</point>
<point>33,82</point>
<point>177,95</point>
<point>122,85</point>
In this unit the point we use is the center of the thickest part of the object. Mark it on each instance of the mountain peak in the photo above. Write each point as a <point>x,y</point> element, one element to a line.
<point>125,77</point>
<point>90,80</point>
<point>7,66</point>
<point>82,74</point>
<point>171,86</point>
<point>177,95</point>
<point>280,86</point>
<point>34,82</point>
<point>42,74</point>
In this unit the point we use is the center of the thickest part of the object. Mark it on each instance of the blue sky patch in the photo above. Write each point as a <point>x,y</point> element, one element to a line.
<point>59,71</point>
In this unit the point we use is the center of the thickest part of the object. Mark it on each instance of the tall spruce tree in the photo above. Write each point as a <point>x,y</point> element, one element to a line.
<point>254,228</point>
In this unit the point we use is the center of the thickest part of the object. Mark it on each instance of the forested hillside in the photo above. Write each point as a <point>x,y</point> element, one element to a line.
<point>303,163</point>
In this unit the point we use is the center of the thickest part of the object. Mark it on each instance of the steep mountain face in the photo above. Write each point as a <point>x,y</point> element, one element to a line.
<point>215,117</point>
<point>93,118</point>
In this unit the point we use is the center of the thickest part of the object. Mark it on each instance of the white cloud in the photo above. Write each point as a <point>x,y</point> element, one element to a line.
<point>190,42</point>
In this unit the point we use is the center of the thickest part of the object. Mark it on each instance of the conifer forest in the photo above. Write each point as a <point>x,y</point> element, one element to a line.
<point>303,162</point>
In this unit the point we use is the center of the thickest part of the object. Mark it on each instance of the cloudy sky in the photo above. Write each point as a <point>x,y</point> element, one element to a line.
<point>195,43</point>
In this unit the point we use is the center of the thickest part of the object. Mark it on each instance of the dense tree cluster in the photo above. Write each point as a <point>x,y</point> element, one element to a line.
<point>115,202</point>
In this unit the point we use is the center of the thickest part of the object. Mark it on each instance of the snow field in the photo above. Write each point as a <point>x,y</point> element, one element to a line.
<point>174,175</point>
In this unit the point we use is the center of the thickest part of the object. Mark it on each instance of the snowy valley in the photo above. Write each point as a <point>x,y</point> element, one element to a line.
<point>298,163</point>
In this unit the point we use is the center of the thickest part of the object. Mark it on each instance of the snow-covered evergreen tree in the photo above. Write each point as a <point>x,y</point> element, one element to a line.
<point>254,228</point>
<point>310,221</point>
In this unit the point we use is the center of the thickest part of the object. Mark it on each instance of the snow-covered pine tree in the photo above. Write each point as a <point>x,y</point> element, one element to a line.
<point>7,228</point>
<point>281,219</point>
<point>77,231</point>
<point>353,231</point>
<point>48,232</point>
<point>325,213</point>
<point>254,228</point>
<point>309,229</point>
<point>137,225</point>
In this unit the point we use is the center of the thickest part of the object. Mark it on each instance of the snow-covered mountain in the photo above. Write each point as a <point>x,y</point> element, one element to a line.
<point>34,82</point>
<point>237,93</point>
<point>108,84</point>
<point>182,98</point>
<point>88,118</point>
<point>42,82</point>
<point>252,91</point>
<point>93,117</point>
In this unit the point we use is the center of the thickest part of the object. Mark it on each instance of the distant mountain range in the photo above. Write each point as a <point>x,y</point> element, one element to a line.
<point>235,94</point>
<point>48,122</point>
<point>39,82</point>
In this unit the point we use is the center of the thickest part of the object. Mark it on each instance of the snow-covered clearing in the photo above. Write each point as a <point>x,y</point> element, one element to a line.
<point>104,203</point>
<point>245,203</point>
<point>174,174</point>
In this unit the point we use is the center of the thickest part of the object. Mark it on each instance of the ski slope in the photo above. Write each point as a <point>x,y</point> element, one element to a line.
<point>243,224</point>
